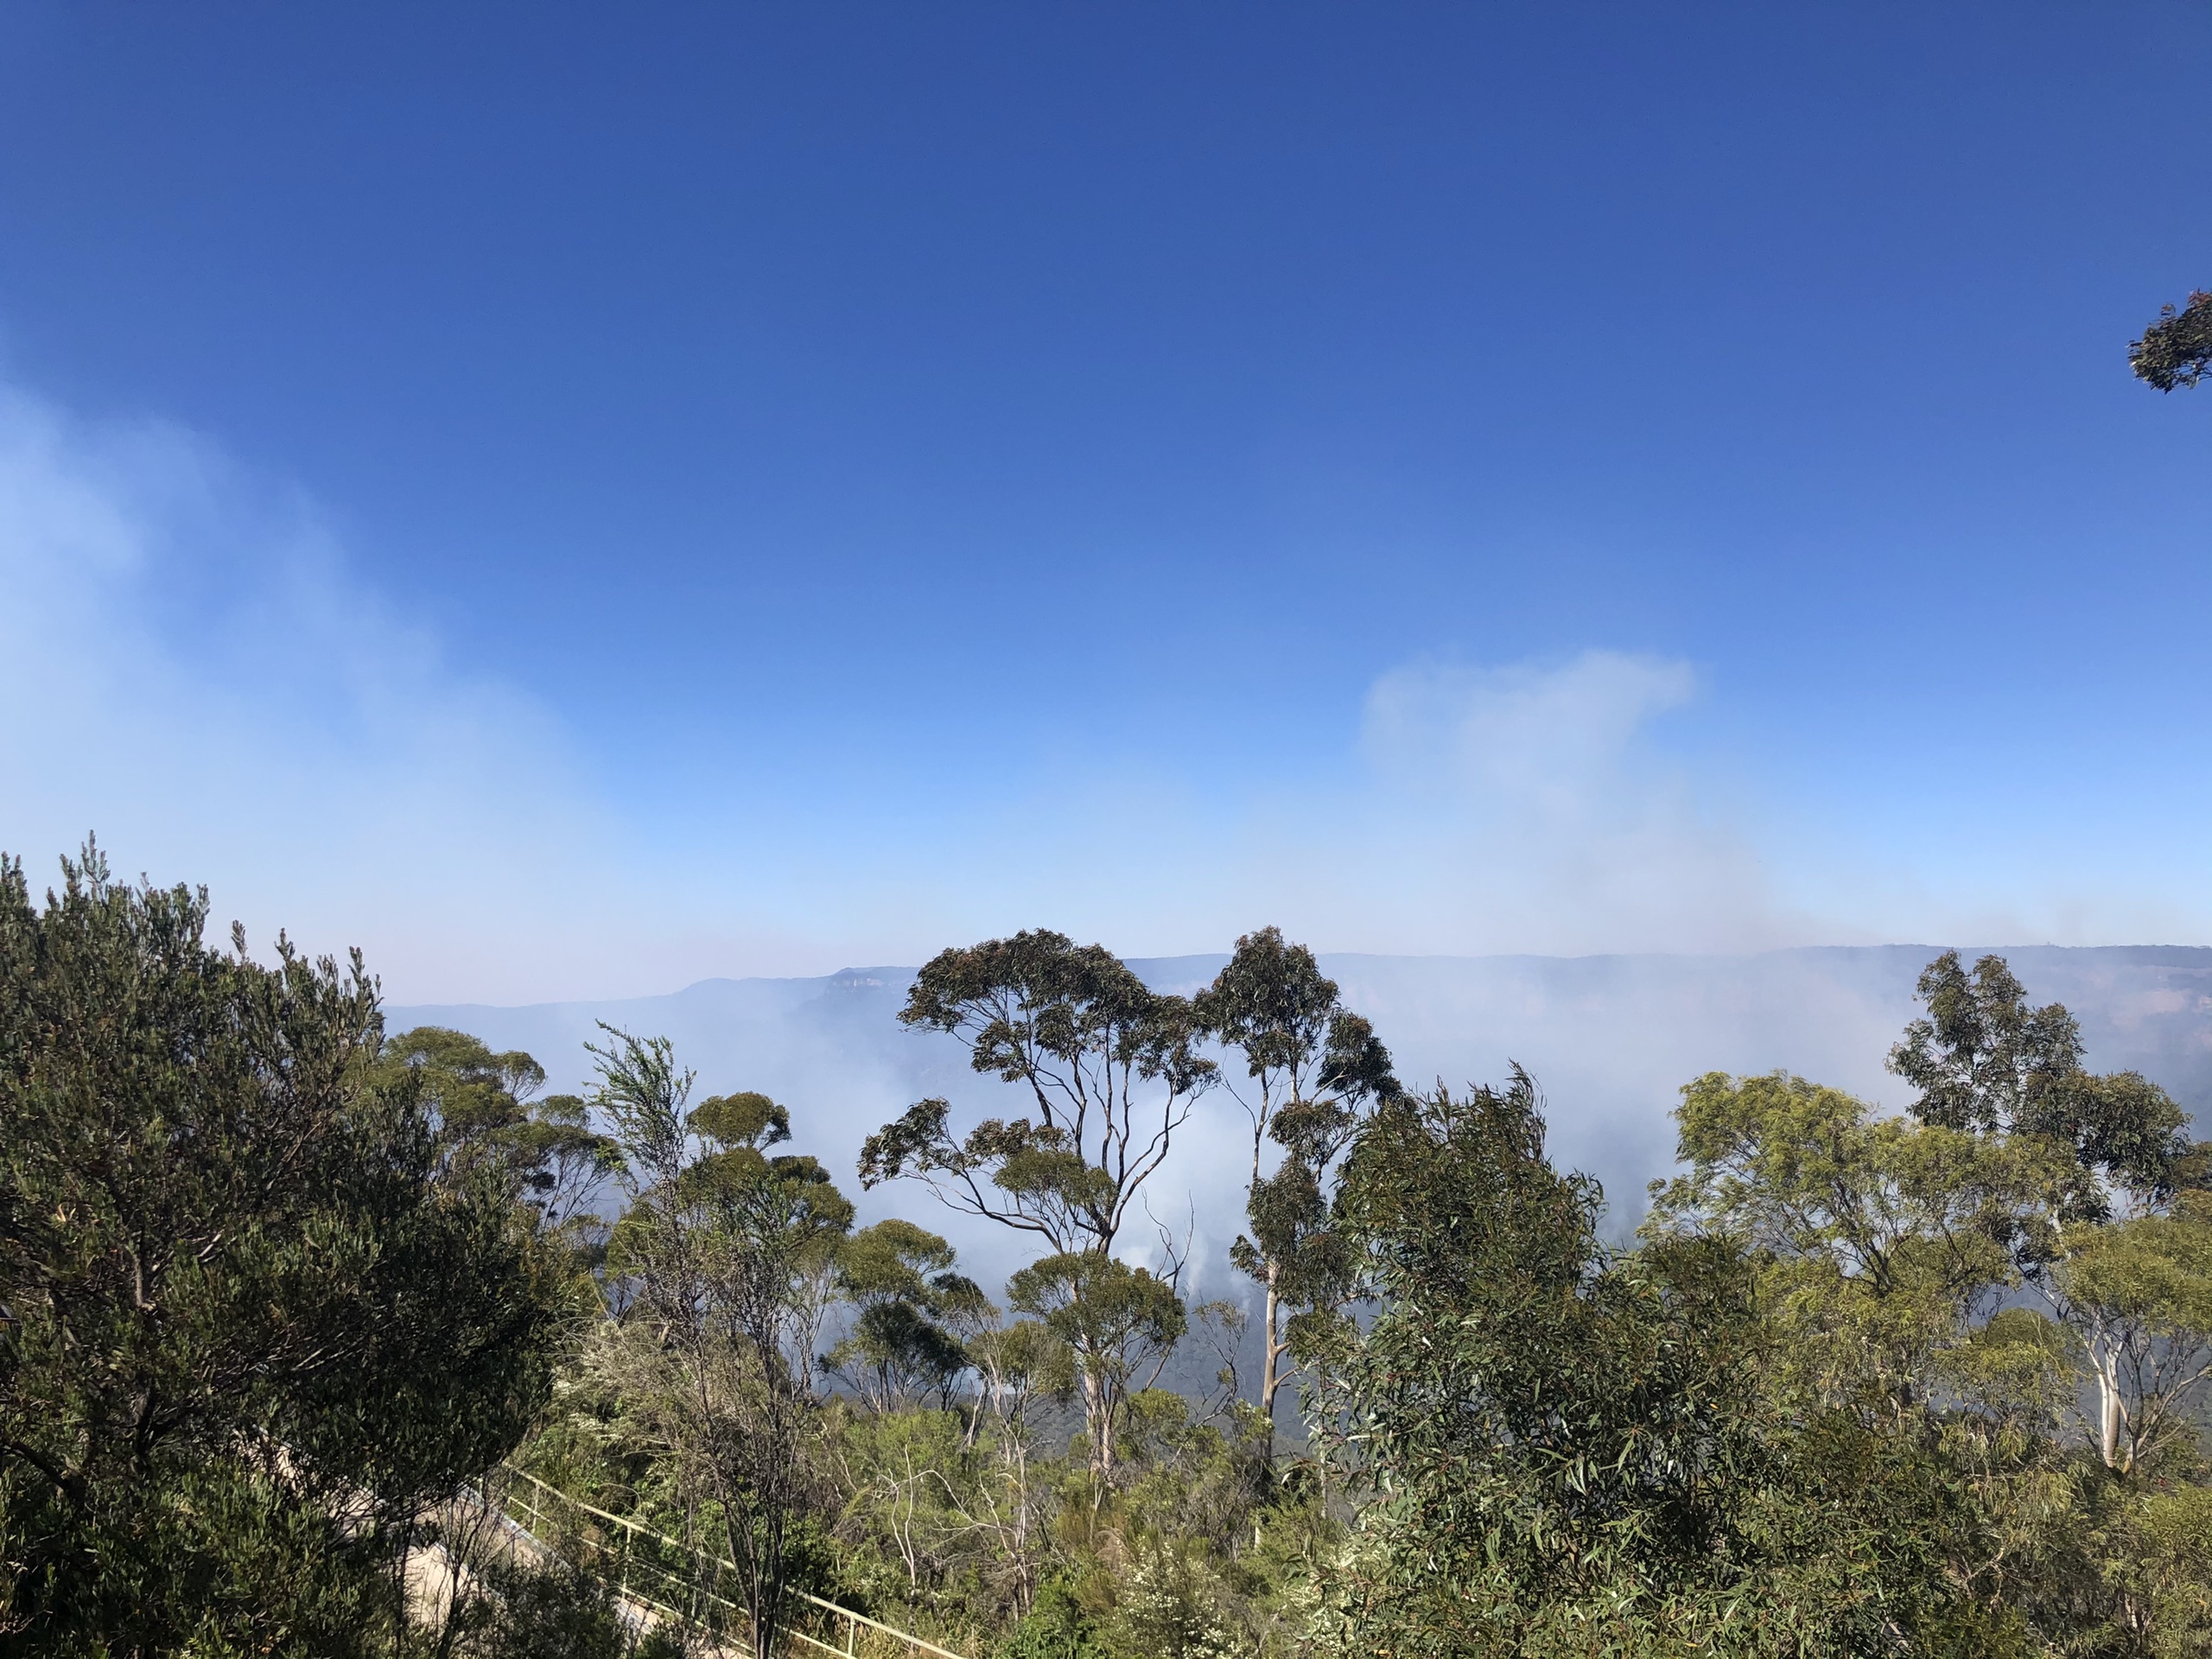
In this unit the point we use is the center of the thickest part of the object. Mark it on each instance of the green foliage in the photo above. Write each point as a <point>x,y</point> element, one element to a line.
<point>1056,1627</point>
<point>719,1270</point>
<point>1558,1449</point>
<point>1110,1068</point>
<point>748,1119</point>
<point>259,1309</point>
<point>1986,1063</point>
<point>642,1095</point>
<point>272,1288</point>
<point>900,1279</point>
<point>1274,1005</point>
<point>1831,1404</point>
<point>1118,1321</point>
<point>950,1524</point>
<point>1957,1287</point>
<point>2177,349</point>
<point>892,1260</point>
<point>2139,1294</point>
<point>1310,1065</point>
<point>895,1353</point>
<point>1880,1238</point>
<point>1170,1606</point>
<point>2173,1533</point>
<point>485,1111</point>
<point>545,1611</point>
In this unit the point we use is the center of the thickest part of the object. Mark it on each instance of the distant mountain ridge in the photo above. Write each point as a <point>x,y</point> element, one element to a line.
<point>1611,1039</point>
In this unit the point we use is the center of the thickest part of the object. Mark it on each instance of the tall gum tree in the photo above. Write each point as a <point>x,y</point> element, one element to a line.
<point>1309,1066</point>
<point>1110,1069</point>
<point>1987,1061</point>
<point>2135,1291</point>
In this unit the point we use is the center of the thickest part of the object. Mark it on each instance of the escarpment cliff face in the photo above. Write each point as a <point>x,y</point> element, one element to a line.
<point>1610,1039</point>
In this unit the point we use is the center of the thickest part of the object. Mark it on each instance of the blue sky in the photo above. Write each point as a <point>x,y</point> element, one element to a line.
<point>575,500</point>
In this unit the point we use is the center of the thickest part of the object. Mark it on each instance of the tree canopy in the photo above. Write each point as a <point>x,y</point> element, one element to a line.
<point>1558,1448</point>
<point>1985,1062</point>
<point>315,1339</point>
<point>1309,1066</point>
<point>255,1316</point>
<point>2177,349</point>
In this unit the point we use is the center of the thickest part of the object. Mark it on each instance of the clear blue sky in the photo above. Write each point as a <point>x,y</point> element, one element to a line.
<point>872,475</point>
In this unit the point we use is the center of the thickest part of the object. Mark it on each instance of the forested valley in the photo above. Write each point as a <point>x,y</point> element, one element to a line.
<point>319,1340</point>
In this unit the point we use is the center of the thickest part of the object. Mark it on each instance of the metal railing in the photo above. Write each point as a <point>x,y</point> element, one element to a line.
<point>679,1581</point>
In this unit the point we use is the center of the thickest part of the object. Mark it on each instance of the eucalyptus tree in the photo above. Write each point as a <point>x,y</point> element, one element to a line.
<point>1109,1070</point>
<point>718,1267</point>
<point>487,1106</point>
<point>1554,1449</point>
<point>258,1316</point>
<point>2177,349</point>
<point>900,1280</point>
<point>1985,1062</point>
<point>2139,1294</point>
<point>1109,1066</point>
<point>1889,1238</point>
<point>1888,1262</point>
<point>1119,1323</point>
<point>1310,1066</point>
<point>2016,1278</point>
<point>2136,1293</point>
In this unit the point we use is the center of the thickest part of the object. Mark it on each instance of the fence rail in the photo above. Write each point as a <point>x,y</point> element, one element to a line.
<point>675,1581</point>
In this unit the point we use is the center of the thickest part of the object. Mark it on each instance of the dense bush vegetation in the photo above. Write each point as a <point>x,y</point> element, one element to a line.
<point>283,1300</point>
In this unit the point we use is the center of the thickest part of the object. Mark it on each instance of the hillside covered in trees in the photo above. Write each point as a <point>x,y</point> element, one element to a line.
<point>317,1337</point>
